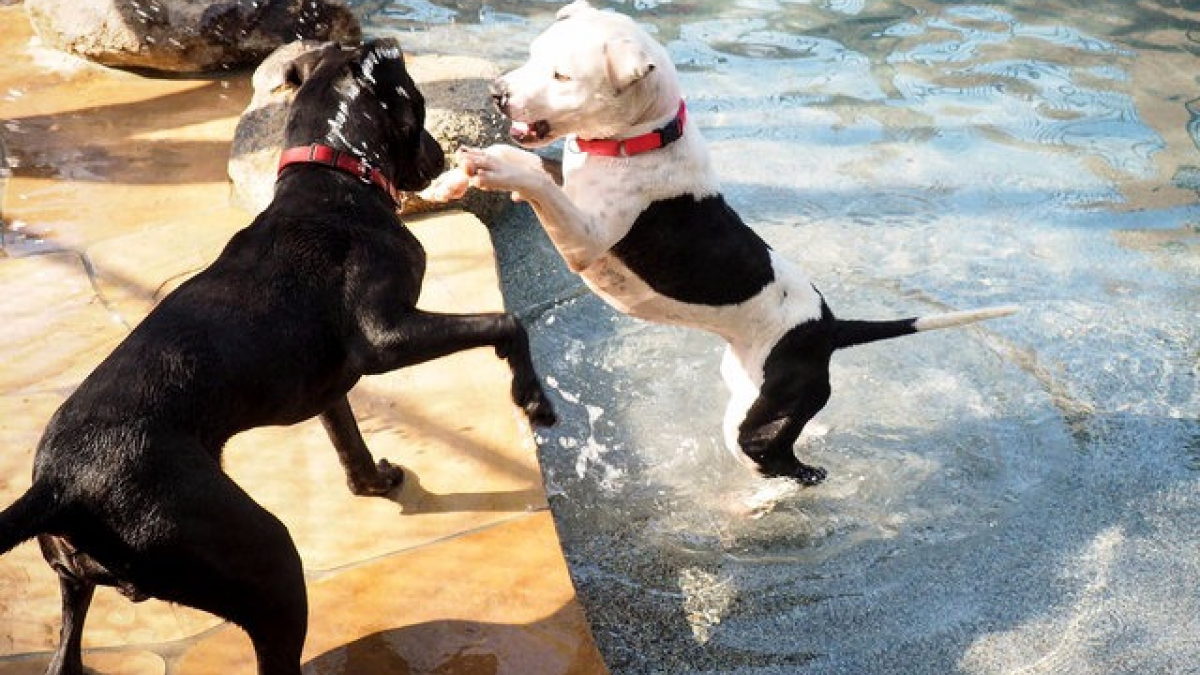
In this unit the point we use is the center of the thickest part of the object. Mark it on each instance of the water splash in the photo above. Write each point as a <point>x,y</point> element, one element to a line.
<point>707,598</point>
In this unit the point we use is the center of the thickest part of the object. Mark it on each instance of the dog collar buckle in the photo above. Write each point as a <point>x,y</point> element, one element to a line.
<point>628,147</point>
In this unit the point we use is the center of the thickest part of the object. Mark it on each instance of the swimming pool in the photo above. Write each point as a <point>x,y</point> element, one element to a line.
<point>1018,497</point>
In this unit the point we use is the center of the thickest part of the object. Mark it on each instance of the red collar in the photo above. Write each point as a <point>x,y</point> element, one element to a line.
<point>325,155</point>
<point>627,147</point>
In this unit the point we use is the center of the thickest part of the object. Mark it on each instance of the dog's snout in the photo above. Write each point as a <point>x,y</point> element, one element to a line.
<point>499,90</point>
<point>432,159</point>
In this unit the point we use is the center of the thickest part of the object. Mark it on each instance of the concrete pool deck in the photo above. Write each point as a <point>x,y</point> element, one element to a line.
<point>118,193</point>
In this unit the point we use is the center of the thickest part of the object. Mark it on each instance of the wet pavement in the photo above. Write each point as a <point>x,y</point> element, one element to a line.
<point>118,193</point>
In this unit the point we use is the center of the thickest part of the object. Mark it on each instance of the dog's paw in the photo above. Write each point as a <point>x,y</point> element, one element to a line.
<point>503,168</point>
<point>537,406</point>
<point>515,157</point>
<point>796,471</point>
<point>387,477</point>
<point>808,475</point>
<point>541,413</point>
<point>447,187</point>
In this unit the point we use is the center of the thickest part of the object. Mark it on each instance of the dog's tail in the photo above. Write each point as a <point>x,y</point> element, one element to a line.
<point>848,333</point>
<point>26,517</point>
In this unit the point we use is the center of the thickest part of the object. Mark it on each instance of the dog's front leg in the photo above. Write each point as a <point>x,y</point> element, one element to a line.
<point>416,336</point>
<point>363,474</point>
<point>578,237</point>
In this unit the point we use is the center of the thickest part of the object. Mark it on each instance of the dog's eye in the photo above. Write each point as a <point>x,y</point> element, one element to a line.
<point>561,77</point>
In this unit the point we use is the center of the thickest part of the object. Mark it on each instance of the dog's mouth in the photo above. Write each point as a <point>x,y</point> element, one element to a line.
<point>527,133</point>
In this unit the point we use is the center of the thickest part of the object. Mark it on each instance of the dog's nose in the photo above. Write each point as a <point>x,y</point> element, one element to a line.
<point>499,91</point>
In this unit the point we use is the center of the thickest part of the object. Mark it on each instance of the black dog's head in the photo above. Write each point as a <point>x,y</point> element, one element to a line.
<point>362,100</point>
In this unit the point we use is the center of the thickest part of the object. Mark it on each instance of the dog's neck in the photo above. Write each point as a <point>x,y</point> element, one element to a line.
<point>666,132</point>
<point>333,158</point>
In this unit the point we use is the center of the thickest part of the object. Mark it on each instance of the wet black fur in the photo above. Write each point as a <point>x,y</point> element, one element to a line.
<point>318,291</point>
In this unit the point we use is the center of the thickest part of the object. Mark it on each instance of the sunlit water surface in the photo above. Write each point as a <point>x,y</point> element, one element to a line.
<point>1016,498</point>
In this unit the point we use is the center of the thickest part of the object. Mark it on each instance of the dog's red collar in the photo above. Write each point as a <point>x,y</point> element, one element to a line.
<point>627,147</point>
<point>323,154</point>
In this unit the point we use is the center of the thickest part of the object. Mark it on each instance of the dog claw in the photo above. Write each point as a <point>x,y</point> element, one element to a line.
<point>387,477</point>
<point>541,413</point>
<point>537,406</point>
<point>809,475</point>
<point>800,473</point>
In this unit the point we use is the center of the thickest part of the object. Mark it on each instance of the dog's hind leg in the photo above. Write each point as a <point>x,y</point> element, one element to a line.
<point>78,575</point>
<point>256,580</point>
<point>743,391</point>
<point>423,336</point>
<point>220,552</point>
<point>363,474</point>
<point>795,388</point>
<point>768,434</point>
<point>76,599</point>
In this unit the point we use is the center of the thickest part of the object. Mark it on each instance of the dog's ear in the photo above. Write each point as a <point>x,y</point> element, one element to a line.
<point>572,9</point>
<point>627,63</point>
<point>303,66</point>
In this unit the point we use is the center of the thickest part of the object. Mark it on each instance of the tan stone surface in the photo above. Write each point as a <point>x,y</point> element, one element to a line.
<point>99,153</point>
<point>134,271</point>
<point>125,662</point>
<point>119,194</point>
<point>28,589</point>
<point>55,327</point>
<point>509,610</point>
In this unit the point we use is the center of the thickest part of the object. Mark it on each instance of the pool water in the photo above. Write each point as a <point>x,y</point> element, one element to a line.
<point>1017,497</point>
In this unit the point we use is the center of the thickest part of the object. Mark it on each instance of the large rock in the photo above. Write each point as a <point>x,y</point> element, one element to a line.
<point>186,36</point>
<point>258,138</point>
<point>458,112</point>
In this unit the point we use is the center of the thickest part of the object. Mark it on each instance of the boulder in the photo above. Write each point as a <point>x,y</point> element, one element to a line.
<point>258,137</point>
<point>458,112</point>
<point>186,36</point>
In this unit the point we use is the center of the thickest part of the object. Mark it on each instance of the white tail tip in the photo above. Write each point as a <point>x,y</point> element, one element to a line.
<point>951,319</point>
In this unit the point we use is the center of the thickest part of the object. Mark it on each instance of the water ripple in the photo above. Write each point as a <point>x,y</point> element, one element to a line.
<point>1034,100</point>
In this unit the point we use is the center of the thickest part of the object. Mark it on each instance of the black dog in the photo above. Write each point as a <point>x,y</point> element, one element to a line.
<point>318,291</point>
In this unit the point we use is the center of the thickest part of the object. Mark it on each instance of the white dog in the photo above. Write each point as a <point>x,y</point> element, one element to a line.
<point>641,219</point>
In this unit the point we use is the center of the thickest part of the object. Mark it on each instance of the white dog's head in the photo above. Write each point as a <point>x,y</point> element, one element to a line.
<point>593,73</point>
